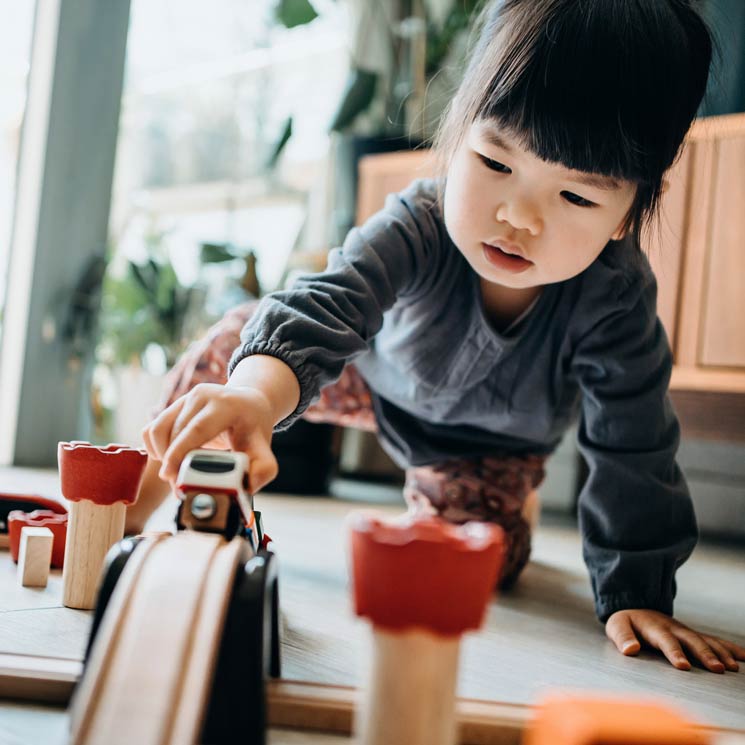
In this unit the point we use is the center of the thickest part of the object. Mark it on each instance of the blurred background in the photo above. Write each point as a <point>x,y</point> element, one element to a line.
<point>162,162</point>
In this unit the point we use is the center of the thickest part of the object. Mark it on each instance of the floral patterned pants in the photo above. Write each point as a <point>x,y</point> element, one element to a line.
<point>498,488</point>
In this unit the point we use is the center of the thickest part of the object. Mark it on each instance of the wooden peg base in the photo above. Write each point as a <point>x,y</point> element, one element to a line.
<point>411,694</point>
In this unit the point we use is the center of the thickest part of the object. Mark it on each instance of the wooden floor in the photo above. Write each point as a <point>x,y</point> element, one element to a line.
<point>541,636</point>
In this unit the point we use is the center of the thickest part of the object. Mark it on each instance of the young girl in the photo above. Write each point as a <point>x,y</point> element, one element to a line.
<point>486,309</point>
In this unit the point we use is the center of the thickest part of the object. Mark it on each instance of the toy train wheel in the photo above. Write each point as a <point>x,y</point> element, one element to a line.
<point>184,635</point>
<point>114,563</point>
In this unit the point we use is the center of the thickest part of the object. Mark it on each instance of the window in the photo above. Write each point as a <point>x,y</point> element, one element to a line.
<point>203,108</point>
<point>15,60</point>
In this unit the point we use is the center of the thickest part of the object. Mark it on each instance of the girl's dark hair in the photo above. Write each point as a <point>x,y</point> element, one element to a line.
<point>606,86</point>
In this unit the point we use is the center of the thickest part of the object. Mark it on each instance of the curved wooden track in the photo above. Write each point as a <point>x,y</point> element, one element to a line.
<point>151,666</point>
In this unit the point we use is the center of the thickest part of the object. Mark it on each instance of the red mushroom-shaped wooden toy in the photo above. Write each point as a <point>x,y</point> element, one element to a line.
<point>423,583</point>
<point>99,482</point>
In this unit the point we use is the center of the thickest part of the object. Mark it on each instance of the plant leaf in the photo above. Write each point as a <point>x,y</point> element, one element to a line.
<point>215,253</point>
<point>293,13</point>
<point>280,144</point>
<point>358,94</point>
<point>143,277</point>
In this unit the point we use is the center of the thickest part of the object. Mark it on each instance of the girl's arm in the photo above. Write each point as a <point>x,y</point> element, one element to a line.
<point>300,339</point>
<point>635,511</point>
<point>327,319</point>
<point>240,415</point>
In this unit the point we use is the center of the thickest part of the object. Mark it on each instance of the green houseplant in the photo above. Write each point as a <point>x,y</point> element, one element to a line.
<point>406,58</point>
<point>145,311</point>
<point>143,304</point>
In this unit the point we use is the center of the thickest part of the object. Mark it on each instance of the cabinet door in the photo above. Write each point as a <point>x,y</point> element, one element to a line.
<point>664,243</point>
<point>723,321</point>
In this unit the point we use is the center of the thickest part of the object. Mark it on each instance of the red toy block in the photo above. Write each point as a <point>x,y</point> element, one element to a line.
<point>103,475</point>
<point>396,564</point>
<point>55,521</point>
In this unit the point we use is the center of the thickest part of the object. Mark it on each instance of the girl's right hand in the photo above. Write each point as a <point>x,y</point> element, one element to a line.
<point>237,417</point>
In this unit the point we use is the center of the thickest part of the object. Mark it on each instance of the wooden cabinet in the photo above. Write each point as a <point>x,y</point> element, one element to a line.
<point>697,250</point>
<point>699,259</point>
<point>723,312</point>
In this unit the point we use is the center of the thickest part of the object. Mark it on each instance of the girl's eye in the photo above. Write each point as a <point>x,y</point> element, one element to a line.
<point>494,165</point>
<point>577,199</point>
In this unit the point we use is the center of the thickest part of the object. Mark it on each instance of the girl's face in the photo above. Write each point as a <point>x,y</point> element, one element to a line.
<point>522,222</point>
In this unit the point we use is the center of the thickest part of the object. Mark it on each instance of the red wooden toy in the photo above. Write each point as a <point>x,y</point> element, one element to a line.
<point>422,582</point>
<point>55,521</point>
<point>10,502</point>
<point>104,475</point>
<point>99,482</point>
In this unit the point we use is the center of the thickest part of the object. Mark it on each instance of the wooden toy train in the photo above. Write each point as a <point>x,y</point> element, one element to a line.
<point>185,630</point>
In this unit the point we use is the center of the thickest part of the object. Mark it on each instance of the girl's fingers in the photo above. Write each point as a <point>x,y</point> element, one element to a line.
<point>664,640</point>
<point>722,652</point>
<point>736,650</point>
<point>627,628</point>
<point>193,403</point>
<point>159,430</point>
<point>201,429</point>
<point>699,648</point>
<point>148,444</point>
<point>621,632</point>
<point>262,466</point>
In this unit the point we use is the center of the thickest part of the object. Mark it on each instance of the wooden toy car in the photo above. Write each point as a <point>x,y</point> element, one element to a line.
<point>214,488</point>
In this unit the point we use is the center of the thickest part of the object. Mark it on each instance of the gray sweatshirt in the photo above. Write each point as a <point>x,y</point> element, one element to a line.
<point>401,301</point>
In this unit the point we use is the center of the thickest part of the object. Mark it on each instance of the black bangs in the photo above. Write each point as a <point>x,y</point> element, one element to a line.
<point>604,86</point>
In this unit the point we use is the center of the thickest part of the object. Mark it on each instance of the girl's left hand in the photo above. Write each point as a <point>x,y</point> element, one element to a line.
<point>628,628</point>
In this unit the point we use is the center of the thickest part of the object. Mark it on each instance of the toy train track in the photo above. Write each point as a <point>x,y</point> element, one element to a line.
<point>181,645</point>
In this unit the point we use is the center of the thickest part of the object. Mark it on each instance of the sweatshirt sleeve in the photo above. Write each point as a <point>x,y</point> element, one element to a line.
<point>326,320</point>
<point>636,515</point>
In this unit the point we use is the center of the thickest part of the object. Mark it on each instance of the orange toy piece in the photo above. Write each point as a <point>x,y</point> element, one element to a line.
<point>99,482</point>
<point>422,582</point>
<point>586,720</point>
<point>55,521</point>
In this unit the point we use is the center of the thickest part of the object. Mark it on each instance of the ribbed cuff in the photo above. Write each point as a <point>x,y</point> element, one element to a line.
<point>607,605</point>
<point>308,384</point>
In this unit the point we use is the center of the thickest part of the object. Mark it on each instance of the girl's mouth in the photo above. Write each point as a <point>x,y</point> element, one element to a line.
<point>503,260</point>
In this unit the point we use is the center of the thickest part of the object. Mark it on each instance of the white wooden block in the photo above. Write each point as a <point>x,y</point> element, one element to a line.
<point>35,556</point>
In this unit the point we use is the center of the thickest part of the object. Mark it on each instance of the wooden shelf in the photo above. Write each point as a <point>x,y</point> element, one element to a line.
<point>710,404</point>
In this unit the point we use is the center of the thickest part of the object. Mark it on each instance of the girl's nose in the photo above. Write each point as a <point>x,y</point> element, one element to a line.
<point>520,214</point>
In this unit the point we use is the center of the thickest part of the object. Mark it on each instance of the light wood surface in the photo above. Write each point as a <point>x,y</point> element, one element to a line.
<point>541,636</point>
<point>153,667</point>
<point>713,381</point>
<point>92,529</point>
<point>39,679</point>
<point>664,240</point>
<point>723,322</point>
<point>23,724</point>
<point>696,243</point>
<point>386,173</point>
<point>410,695</point>
<point>302,709</point>
<point>34,556</point>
